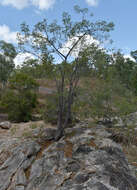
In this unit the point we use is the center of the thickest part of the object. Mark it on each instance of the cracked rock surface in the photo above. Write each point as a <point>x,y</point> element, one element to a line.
<point>84,159</point>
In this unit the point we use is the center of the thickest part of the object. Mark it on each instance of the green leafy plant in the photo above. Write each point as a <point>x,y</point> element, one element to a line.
<point>20,99</point>
<point>7,55</point>
<point>50,113</point>
<point>104,100</point>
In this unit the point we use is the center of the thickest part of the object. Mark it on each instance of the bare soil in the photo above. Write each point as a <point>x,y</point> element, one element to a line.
<point>19,130</point>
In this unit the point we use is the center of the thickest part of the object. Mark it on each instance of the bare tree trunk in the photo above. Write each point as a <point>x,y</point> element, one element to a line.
<point>60,129</point>
<point>69,104</point>
<point>72,87</point>
<point>73,81</point>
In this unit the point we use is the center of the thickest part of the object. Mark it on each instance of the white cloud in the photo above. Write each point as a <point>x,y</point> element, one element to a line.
<point>129,57</point>
<point>21,4</point>
<point>43,4</point>
<point>92,2</point>
<point>7,35</point>
<point>85,42</point>
<point>21,57</point>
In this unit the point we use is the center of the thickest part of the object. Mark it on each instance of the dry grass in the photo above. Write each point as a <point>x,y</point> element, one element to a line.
<point>46,83</point>
<point>92,144</point>
<point>44,146</point>
<point>23,130</point>
<point>126,136</point>
<point>128,141</point>
<point>5,154</point>
<point>68,150</point>
<point>27,172</point>
<point>131,154</point>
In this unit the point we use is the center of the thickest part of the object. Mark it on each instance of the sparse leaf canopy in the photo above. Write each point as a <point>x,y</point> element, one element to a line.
<point>134,54</point>
<point>50,38</point>
<point>7,49</point>
<point>7,54</point>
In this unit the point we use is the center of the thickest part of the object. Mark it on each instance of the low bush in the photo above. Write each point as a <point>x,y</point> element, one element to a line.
<point>20,98</point>
<point>50,113</point>
<point>19,106</point>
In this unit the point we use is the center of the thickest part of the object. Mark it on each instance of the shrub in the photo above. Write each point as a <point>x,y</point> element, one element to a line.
<point>104,100</point>
<point>50,114</point>
<point>20,99</point>
<point>19,106</point>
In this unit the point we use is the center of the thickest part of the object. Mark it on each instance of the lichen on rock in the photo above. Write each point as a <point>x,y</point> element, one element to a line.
<point>80,161</point>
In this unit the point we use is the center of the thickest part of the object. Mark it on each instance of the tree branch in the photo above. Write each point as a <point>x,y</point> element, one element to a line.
<point>75,45</point>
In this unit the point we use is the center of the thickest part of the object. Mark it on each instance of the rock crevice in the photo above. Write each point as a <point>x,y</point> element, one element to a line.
<point>84,159</point>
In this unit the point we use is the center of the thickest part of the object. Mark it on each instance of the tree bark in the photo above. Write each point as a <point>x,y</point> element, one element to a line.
<point>60,129</point>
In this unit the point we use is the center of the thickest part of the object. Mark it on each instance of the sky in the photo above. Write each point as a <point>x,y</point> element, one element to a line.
<point>122,12</point>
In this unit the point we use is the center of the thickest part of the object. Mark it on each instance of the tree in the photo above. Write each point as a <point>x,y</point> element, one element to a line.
<point>35,68</point>
<point>126,70</point>
<point>7,54</point>
<point>134,54</point>
<point>61,42</point>
<point>109,91</point>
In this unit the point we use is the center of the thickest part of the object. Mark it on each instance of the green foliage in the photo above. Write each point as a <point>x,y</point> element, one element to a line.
<point>20,99</point>
<point>19,106</point>
<point>126,71</point>
<point>8,49</point>
<point>105,99</point>
<point>126,104</point>
<point>38,68</point>
<point>7,55</point>
<point>95,61</point>
<point>134,54</point>
<point>50,113</point>
<point>22,82</point>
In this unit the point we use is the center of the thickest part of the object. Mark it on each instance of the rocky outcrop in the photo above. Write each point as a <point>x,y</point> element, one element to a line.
<point>5,125</point>
<point>128,120</point>
<point>84,159</point>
